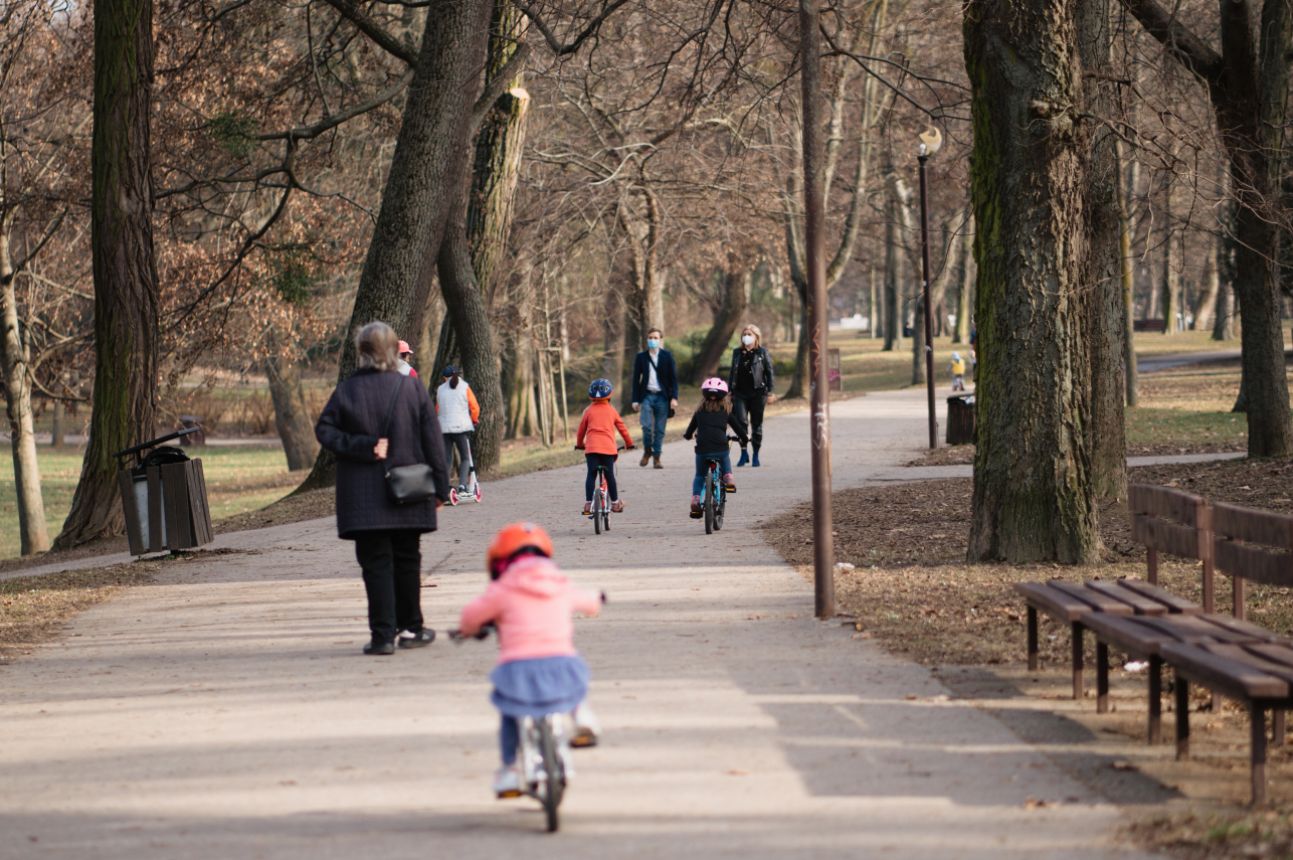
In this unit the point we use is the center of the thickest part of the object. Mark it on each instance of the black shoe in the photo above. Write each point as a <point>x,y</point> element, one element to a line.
<point>379,649</point>
<point>417,639</point>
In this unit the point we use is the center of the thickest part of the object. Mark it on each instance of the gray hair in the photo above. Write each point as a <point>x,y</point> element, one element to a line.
<point>375,347</point>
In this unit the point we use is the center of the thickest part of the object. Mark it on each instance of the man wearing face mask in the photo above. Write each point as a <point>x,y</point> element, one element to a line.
<point>655,394</point>
<point>750,382</point>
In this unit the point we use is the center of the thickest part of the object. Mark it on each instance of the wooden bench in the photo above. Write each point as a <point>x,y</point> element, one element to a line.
<point>1162,520</point>
<point>1257,546</point>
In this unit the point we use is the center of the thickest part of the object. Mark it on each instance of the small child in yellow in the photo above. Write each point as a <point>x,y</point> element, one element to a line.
<point>958,372</point>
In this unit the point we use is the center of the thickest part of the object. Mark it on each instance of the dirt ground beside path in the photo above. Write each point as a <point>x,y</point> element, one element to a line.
<point>911,590</point>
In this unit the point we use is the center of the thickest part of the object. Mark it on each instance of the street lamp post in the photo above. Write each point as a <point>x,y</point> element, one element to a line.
<point>930,141</point>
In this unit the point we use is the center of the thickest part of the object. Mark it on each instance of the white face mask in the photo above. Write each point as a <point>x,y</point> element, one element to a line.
<point>747,339</point>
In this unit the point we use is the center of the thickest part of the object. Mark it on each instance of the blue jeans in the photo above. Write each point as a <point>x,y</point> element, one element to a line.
<point>655,413</point>
<point>702,469</point>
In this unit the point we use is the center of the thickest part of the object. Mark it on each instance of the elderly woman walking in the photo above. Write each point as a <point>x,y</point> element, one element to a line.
<point>376,420</point>
<point>750,381</point>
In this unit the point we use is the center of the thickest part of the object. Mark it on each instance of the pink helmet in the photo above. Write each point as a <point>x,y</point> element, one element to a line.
<point>714,385</point>
<point>404,348</point>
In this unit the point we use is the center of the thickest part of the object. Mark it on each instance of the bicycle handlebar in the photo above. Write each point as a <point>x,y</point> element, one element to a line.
<point>457,637</point>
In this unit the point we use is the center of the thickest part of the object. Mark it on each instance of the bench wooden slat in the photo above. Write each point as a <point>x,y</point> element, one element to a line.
<point>1059,604</point>
<point>1139,603</point>
<point>1131,634</point>
<point>1245,629</point>
<point>1232,677</point>
<point>1275,662</point>
<point>1157,533</point>
<point>1097,600</point>
<point>1162,595</point>
<point>1254,563</point>
<point>1253,526</point>
<point>1166,502</point>
<point>1195,628</point>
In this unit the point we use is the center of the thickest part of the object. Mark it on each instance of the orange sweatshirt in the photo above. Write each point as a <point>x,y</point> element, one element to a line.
<point>597,429</point>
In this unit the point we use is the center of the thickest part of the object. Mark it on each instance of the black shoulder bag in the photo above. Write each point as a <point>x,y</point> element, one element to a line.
<point>406,485</point>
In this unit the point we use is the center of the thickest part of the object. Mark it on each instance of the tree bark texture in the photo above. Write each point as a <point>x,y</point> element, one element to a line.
<point>1102,273</point>
<point>125,272</point>
<point>894,293</point>
<point>425,183</point>
<point>965,289</point>
<point>1128,277</point>
<point>1033,494</point>
<point>731,308</point>
<point>1169,275</point>
<point>15,357</point>
<point>293,422</point>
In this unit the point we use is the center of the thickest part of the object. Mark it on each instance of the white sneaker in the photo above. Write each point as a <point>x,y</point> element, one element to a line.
<point>587,727</point>
<point>507,782</point>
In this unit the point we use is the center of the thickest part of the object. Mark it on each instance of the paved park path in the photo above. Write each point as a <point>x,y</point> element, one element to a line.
<point>226,711</point>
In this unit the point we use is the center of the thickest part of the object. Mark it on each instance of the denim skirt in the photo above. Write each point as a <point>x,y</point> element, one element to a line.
<point>546,685</point>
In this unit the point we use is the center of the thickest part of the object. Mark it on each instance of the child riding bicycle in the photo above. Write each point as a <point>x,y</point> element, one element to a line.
<point>709,426</point>
<point>531,603</point>
<point>596,437</point>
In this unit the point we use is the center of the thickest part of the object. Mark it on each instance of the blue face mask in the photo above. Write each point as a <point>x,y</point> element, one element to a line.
<point>652,343</point>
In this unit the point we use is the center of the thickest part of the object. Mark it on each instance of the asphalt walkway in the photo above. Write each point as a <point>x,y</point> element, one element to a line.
<point>226,711</point>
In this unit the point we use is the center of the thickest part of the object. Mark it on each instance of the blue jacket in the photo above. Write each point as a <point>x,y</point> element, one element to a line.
<point>666,373</point>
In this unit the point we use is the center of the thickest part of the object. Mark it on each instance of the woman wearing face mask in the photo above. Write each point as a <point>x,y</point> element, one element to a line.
<point>751,382</point>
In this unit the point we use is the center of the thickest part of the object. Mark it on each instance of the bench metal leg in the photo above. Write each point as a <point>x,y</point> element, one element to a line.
<point>1257,729</point>
<point>1032,639</point>
<point>1101,677</point>
<point>1277,727</point>
<point>1182,718</point>
<point>1077,660</point>
<point>1155,699</point>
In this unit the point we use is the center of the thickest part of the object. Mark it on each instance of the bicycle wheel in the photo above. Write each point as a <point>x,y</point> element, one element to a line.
<point>709,502</point>
<point>553,783</point>
<point>599,499</point>
<point>721,507</point>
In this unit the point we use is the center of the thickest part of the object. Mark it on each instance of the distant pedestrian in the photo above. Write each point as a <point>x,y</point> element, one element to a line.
<point>459,414</point>
<point>406,354</point>
<point>374,420</point>
<point>655,393</point>
<point>751,382</point>
<point>957,367</point>
<point>596,438</point>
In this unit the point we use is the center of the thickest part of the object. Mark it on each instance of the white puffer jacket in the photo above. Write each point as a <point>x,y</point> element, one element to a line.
<point>457,407</point>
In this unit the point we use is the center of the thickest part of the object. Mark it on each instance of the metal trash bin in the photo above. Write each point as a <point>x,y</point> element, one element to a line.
<point>960,419</point>
<point>164,497</point>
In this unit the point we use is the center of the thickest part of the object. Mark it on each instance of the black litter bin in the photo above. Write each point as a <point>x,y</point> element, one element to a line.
<point>164,496</point>
<point>960,419</point>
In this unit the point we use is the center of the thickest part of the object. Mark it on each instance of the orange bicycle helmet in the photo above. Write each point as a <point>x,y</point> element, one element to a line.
<point>512,539</point>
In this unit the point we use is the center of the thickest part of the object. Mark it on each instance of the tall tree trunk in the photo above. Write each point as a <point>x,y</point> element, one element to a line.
<point>1169,276</point>
<point>1102,273</point>
<point>1205,309</point>
<point>965,288</point>
<point>894,305</point>
<point>873,311</point>
<point>125,271</point>
<point>730,309</point>
<point>292,420</point>
<point>33,534</point>
<point>425,183</point>
<point>1033,494</point>
<point>1128,277</point>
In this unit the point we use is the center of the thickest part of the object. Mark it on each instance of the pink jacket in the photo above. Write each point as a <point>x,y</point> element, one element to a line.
<point>532,604</point>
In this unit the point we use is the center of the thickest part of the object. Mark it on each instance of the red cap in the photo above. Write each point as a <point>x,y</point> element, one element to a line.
<point>404,347</point>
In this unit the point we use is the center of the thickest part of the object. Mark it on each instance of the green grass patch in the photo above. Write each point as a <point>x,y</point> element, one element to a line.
<point>1163,429</point>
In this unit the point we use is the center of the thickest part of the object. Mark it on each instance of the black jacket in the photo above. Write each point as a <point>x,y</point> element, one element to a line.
<point>710,430</point>
<point>760,369</point>
<point>666,374</point>
<point>350,426</point>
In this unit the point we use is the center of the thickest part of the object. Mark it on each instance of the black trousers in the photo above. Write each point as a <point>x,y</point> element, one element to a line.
<point>392,565</point>
<point>461,441</point>
<point>749,408</point>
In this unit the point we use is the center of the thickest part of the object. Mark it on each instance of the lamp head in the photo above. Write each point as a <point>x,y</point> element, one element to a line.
<point>931,139</point>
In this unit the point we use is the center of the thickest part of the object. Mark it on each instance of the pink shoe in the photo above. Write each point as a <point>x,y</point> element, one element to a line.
<point>617,506</point>
<point>729,483</point>
<point>696,512</point>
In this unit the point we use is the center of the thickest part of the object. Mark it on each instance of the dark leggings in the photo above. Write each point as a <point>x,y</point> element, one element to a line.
<point>461,441</point>
<point>749,408</point>
<point>593,461</point>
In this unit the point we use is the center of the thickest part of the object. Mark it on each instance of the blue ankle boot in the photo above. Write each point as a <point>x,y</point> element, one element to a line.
<point>745,458</point>
<point>755,461</point>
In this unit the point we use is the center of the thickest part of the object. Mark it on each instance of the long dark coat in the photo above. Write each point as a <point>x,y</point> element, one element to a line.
<point>350,426</point>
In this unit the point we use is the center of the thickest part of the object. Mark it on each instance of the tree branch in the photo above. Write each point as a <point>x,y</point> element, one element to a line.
<point>1188,49</point>
<point>370,28</point>
<point>499,85</point>
<point>558,47</point>
<point>305,132</point>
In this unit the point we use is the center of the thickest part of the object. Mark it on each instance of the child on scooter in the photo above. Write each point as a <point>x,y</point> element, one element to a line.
<point>531,603</point>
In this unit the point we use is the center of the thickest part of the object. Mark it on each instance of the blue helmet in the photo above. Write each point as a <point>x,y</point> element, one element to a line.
<point>600,389</point>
